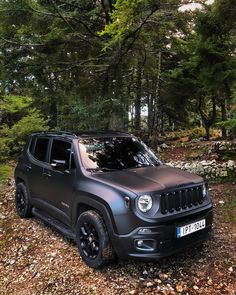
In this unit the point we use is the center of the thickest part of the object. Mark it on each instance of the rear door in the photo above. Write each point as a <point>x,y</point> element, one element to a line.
<point>60,183</point>
<point>36,162</point>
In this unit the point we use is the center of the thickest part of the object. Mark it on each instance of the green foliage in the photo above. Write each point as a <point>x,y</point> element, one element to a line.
<point>4,149</point>
<point>13,104</point>
<point>17,135</point>
<point>229,124</point>
<point>126,14</point>
<point>20,119</point>
<point>5,172</point>
<point>196,133</point>
<point>93,115</point>
<point>88,64</point>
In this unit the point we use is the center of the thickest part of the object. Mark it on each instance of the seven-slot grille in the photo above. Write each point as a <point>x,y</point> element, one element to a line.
<point>181,199</point>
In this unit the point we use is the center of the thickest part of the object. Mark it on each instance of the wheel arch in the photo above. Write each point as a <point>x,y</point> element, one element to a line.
<point>85,204</point>
<point>19,179</point>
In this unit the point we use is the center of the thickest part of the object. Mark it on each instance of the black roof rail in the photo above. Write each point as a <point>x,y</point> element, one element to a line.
<point>101,131</point>
<point>56,132</point>
<point>81,133</point>
<point>64,132</point>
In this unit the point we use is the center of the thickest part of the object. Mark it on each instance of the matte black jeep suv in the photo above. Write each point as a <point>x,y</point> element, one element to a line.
<point>111,194</point>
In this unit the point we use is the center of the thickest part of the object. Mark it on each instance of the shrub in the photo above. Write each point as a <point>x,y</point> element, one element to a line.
<point>5,172</point>
<point>4,149</point>
<point>196,132</point>
<point>17,135</point>
<point>229,125</point>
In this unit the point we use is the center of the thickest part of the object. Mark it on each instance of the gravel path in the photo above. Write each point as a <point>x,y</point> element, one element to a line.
<point>34,259</point>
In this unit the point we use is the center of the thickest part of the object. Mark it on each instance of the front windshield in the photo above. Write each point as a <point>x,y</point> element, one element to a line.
<point>112,153</point>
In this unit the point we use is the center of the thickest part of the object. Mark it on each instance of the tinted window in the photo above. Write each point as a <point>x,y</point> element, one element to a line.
<point>115,153</point>
<point>61,151</point>
<point>40,151</point>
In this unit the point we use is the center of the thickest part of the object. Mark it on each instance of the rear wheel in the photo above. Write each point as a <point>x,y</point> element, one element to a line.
<point>22,202</point>
<point>93,240</point>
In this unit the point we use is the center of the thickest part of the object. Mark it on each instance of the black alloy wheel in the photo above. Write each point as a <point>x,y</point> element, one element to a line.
<point>89,240</point>
<point>22,202</point>
<point>93,240</point>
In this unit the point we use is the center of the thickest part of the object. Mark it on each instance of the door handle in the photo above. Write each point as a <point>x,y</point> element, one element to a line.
<point>47,174</point>
<point>28,167</point>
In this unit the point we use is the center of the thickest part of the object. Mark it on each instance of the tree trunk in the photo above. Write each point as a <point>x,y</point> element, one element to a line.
<point>207,128</point>
<point>207,120</point>
<point>162,124</point>
<point>157,95</point>
<point>119,103</point>
<point>223,117</point>
<point>149,107</point>
<point>137,106</point>
<point>150,112</point>
<point>54,113</point>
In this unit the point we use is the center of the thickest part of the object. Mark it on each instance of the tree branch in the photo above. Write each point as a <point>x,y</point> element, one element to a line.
<point>61,16</point>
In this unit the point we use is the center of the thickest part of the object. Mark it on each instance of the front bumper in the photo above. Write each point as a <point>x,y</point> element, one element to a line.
<point>161,241</point>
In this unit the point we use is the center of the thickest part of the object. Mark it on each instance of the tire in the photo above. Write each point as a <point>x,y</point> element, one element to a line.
<point>93,240</point>
<point>22,202</point>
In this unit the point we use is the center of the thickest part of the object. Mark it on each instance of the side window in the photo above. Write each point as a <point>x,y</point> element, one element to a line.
<point>61,150</point>
<point>40,150</point>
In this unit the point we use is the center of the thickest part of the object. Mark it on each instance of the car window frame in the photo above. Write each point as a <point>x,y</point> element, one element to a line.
<point>98,137</point>
<point>71,151</point>
<point>35,138</point>
<point>31,141</point>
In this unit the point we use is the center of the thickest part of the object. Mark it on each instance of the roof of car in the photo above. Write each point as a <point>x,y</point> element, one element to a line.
<point>84,134</point>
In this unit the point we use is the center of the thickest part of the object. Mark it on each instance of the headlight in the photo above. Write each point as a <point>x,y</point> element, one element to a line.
<point>145,203</point>
<point>204,190</point>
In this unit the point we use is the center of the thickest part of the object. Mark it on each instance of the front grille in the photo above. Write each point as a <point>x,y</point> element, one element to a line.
<point>181,199</point>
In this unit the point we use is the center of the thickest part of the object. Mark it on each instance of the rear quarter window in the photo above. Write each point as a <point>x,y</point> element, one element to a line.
<point>41,147</point>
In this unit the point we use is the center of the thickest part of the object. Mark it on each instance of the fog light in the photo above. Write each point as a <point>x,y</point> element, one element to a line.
<point>145,245</point>
<point>139,243</point>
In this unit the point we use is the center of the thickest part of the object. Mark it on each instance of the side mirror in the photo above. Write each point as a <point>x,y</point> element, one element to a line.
<point>59,165</point>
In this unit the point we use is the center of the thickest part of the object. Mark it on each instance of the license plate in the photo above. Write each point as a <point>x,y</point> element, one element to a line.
<point>190,228</point>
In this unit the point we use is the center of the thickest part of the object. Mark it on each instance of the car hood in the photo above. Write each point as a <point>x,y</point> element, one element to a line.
<point>148,179</point>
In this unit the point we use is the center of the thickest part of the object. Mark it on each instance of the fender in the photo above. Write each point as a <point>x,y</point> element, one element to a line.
<point>19,174</point>
<point>96,203</point>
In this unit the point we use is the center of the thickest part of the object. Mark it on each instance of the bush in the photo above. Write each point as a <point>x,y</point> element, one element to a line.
<point>5,172</point>
<point>4,149</point>
<point>196,133</point>
<point>229,125</point>
<point>17,135</point>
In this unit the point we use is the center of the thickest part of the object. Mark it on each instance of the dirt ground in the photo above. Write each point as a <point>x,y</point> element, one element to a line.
<point>34,259</point>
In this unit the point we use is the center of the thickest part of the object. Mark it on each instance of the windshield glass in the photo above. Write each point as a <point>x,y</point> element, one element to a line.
<point>112,153</point>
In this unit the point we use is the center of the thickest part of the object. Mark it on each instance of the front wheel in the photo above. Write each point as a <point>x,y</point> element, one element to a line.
<point>22,202</point>
<point>93,240</point>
